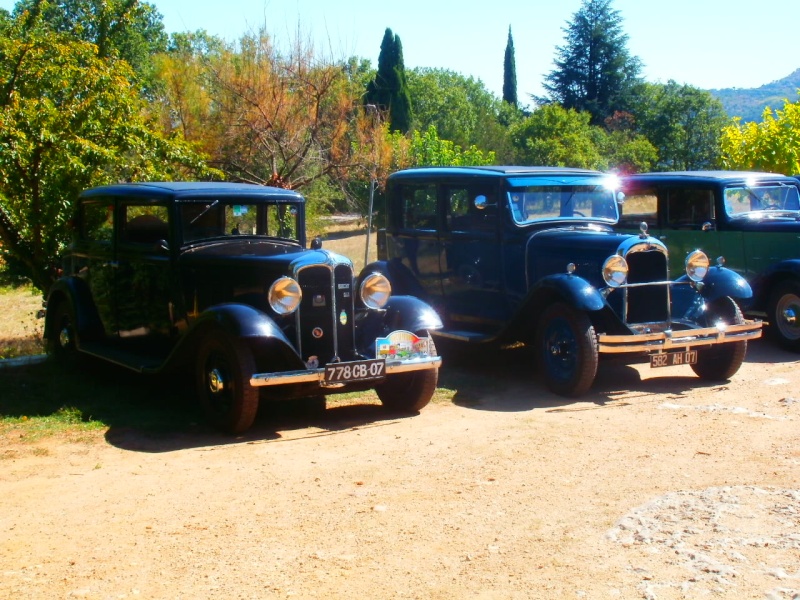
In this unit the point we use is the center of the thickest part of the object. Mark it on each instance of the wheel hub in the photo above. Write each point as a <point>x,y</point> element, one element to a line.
<point>789,316</point>
<point>216,382</point>
<point>64,337</point>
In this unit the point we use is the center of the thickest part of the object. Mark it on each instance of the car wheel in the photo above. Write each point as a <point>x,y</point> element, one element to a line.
<point>224,367</point>
<point>408,392</point>
<point>721,361</point>
<point>566,350</point>
<point>784,315</point>
<point>62,338</point>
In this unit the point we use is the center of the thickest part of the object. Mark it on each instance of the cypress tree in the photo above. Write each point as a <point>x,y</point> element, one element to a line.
<point>510,73</point>
<point>389,90</point>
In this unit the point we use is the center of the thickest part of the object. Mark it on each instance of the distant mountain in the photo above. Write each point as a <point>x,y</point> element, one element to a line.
<point>749,104</point>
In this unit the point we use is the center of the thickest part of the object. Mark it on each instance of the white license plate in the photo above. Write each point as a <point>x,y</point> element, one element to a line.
<point>359,370</point>
<point>672,359</point>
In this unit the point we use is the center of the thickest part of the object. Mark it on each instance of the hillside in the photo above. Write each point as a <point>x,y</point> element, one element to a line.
<point>749,103</point>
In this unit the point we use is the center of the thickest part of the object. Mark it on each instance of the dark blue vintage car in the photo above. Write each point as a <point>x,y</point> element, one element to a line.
<point>529,254</point>
<point>215,278</point>
<point>752,219</point>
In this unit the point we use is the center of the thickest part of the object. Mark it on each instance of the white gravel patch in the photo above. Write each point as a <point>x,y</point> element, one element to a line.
<point>719,537</point>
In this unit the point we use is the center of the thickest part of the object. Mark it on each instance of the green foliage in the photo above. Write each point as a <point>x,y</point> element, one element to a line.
<point>126,29</point>
<point>683,122</point>
<point>593,70</point>
<point>68,120</point>
<point>560,137</point>
<point>772,145</point>
<point>460,108</point>
<point>427,149</point>
<point>510,73</point>
<point>389,89</point>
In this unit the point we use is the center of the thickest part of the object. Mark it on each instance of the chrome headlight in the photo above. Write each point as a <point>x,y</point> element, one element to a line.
<point>615,271</point>
<point>696,265</point>
<point>284,295</point>
<point>375,290</point>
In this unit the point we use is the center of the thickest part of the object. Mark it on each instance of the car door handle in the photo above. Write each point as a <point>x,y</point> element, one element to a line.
<point>112,263</point>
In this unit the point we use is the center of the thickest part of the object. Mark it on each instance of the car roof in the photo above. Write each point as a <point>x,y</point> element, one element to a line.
<point>187,190</point>
<point>707,176</point>
<point>491,171</point>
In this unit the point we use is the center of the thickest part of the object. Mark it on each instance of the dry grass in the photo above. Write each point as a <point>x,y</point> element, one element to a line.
<point>20,330</point>
<point>349,237</point>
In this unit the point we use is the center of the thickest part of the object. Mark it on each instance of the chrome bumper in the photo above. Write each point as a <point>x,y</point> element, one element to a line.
<point>318,375</point>
<point>665,341</point>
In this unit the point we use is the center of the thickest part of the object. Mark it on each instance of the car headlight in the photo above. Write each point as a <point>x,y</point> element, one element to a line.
<point>375,290</point>
<point>615,271</point>
<point>284,295</point>
<point>697,265</point>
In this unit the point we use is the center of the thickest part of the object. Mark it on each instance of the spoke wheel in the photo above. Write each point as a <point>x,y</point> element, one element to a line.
<point>566,350</point>
<point>224,367</point>
<point>784,315</point>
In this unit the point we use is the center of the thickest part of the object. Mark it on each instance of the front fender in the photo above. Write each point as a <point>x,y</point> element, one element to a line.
<point>574,290</point>
<point>720,282</point>
<point>763,282</point>
<point>400,313</point>
<point>265,338</point>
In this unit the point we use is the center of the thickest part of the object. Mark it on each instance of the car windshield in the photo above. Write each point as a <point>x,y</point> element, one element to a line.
<point>215,218</point>
<point>579,202</point>
<point>744,200</point>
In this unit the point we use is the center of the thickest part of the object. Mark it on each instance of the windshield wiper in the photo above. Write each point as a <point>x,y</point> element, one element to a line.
<point>207,208</point>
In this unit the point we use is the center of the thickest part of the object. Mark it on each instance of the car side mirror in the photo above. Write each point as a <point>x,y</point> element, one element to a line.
<point>707,226</point>
<point>481,203</point>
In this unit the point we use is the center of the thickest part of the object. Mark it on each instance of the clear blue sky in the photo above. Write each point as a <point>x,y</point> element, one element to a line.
<point>705,43</point>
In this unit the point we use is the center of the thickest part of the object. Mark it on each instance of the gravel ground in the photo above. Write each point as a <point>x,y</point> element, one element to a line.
<point>655,485</point>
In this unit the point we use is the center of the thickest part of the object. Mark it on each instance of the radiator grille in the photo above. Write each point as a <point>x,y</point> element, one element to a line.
<point>325,316</point>
<point>650,303</point>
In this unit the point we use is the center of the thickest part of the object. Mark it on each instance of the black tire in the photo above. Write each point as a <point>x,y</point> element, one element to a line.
<point>408,392</point>
<point>222,375</point>
<point>721,361</point>
<point>566,350</point>
<point>784,315</point>
<point>62,340</point>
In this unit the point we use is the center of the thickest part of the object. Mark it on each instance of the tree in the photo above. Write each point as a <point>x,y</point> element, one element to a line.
<point>684,123</point>
<point>68,120</point>
<point>510,73</point>
<point>428,149</point>
<point>460,108</point>
<point>126,29</point>
<point>560,137</point>
<point>287,118</point>
<point>594,71</point>
<point>772,145</point>
<point>389,90</point>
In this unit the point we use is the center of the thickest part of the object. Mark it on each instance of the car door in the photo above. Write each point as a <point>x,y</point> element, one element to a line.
<point>143,277</point>
<point>470,254</point>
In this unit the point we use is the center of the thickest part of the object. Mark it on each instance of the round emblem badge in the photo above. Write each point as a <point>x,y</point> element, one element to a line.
<point>317,332</point>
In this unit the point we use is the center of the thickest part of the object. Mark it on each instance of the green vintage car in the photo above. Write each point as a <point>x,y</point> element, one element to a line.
<point>751,219</point>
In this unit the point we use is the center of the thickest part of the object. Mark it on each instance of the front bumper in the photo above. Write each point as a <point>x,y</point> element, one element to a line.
<point>669,340</point>
<point>318,375</point>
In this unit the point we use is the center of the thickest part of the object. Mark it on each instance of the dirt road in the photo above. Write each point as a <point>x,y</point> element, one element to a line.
<point>652,486</point>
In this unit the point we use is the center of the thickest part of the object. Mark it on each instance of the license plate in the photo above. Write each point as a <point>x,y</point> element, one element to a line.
<point>671,359</point>
<point>355,371</point>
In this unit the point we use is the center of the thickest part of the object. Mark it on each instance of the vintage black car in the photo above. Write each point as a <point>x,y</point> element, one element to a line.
<point>216,278</point>
<point>528,254</point>
<point>752,219</point>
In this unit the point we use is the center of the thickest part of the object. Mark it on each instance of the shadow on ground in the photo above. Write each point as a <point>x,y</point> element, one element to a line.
<point>157,414</point>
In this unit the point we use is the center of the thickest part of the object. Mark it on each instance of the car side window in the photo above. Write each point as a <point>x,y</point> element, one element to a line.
<point>144,224</point>
<point>639,206</point>
<point>96,221</point>
<point>463,215</point>
<point>689,208</point>
<point>419,207</point>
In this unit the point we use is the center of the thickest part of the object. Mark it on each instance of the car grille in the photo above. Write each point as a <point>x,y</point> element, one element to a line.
<point>646,303</point>
<point>325,317</point>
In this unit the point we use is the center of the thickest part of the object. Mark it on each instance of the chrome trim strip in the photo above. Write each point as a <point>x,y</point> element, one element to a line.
<point>318,375</point>
<point>672,340</point>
